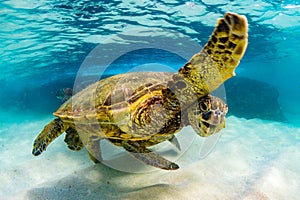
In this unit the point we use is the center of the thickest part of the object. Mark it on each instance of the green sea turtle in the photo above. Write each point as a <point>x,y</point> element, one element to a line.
<point>139,110</point>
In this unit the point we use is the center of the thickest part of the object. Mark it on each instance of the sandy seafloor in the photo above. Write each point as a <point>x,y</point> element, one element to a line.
<point>253,159</point>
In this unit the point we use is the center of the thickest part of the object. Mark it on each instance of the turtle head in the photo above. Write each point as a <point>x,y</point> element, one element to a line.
<point>208,115</point>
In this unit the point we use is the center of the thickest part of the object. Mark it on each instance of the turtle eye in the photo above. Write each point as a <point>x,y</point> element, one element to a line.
<point>204,106</point>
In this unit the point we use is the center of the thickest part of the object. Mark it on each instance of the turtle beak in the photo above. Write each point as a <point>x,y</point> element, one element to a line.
<point>217,117</point>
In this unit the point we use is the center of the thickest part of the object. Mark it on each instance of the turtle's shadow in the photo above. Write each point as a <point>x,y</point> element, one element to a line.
<point>102,182</point>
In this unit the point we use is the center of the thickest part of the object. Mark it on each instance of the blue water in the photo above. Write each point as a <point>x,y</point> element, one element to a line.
<point>44,45</point>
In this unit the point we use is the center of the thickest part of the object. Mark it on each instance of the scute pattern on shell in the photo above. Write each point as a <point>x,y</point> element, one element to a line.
<point>115,93</point>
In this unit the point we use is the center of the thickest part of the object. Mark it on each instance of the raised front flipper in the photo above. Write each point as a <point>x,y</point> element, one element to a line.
<point>148,157</point>
<point>51,131</point>
<point>216,62</point>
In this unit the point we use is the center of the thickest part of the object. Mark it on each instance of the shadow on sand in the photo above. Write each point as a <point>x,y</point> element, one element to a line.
<point>102,182</point>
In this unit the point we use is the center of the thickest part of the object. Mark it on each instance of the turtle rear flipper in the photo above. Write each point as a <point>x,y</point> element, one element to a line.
<point>148,157</point>
<point>51,131</point>
<point>73,140</point>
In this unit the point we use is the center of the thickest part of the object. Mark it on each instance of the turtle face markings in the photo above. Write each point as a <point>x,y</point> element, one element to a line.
<point>208,116</point>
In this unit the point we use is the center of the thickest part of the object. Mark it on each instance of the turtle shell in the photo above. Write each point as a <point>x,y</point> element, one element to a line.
<point>113,99</point>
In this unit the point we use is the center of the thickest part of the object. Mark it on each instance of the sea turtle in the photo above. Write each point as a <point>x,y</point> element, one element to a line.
<point>141,109</point>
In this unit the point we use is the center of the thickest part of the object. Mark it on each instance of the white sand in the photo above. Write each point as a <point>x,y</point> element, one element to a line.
<point>253,159</point>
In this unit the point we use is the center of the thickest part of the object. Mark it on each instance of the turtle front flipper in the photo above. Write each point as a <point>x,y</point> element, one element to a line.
<point>51,131</point>
<point>73,140</point>
<point>227,44</point>
<point>216,62</point>
<point>148,157</point>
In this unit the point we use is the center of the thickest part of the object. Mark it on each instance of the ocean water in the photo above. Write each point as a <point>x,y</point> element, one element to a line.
<point>46,46</point>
